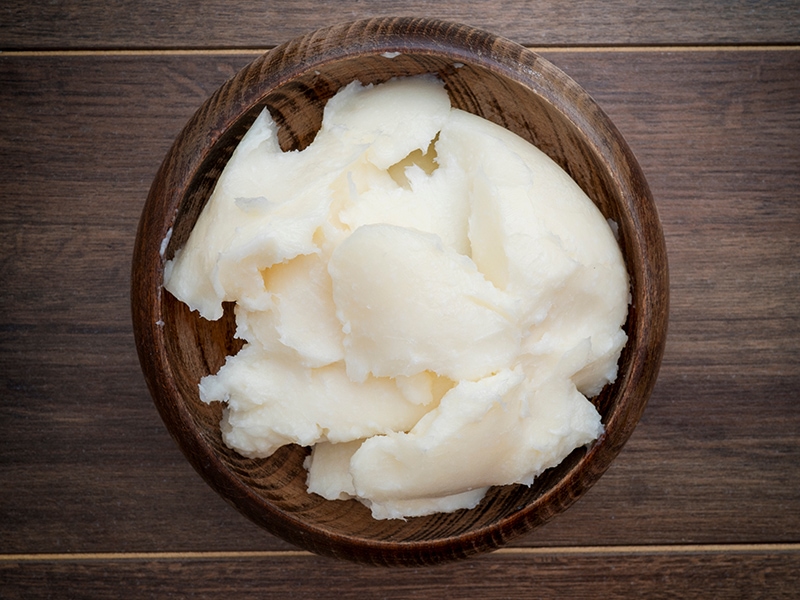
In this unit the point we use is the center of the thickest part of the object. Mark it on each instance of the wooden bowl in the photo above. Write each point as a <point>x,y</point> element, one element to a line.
<point>486,75</point>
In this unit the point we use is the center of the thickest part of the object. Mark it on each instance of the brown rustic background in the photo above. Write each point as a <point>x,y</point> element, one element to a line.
<point>97,501</point>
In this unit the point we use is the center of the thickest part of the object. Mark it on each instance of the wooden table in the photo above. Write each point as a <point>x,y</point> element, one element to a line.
<point>97,501</point>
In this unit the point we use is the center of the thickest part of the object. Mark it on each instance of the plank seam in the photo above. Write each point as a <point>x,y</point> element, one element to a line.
<point>259,51</point>
<point>668,549</point>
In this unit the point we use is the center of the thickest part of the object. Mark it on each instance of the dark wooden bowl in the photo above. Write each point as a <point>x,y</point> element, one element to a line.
<point>486,75</point>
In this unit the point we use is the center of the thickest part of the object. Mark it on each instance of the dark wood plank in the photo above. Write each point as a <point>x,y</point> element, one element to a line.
<point>742,574</point>
<point>87,465</point>
<point>253,24</point>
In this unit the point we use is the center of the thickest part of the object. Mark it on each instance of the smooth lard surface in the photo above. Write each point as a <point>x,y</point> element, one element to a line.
<point>426,299</point>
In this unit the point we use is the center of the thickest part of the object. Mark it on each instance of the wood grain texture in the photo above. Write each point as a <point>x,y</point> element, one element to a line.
<point>87,466</point>
<point>743,574</point>
<point>259,24</point>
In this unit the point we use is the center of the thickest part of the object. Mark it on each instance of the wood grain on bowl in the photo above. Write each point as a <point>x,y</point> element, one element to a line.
<point>488,76</point>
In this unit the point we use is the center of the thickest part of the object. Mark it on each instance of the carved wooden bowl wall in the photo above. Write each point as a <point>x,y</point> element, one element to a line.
<point>486,75</point>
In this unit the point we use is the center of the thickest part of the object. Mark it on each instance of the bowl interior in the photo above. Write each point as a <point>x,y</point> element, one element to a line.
<point>504,83</point>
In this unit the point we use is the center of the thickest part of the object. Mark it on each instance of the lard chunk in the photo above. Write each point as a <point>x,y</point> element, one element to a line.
<point>301,321</point>
<point>408,305</point>
<point>271,402</point>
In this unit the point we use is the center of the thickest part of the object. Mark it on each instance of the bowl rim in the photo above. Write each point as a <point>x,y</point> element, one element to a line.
<point>244,92</point>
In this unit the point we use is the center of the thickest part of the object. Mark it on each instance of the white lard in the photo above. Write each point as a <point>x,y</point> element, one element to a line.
<point>426,299</point>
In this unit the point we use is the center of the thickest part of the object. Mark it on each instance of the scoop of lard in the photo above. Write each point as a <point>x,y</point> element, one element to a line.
<point>427,301</point>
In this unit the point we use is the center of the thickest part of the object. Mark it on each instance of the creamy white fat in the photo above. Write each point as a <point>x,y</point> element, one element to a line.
<point>427,300</point>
